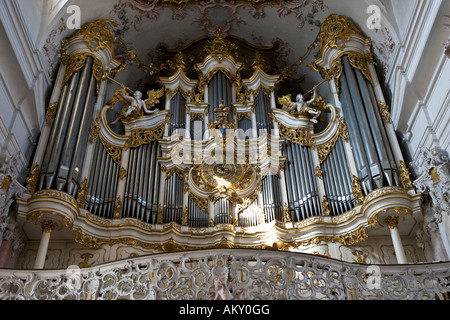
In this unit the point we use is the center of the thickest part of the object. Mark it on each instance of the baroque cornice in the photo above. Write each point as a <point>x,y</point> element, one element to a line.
<point>93,231</point>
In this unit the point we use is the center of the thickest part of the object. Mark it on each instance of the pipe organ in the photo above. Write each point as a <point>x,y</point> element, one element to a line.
<point>218,154</point>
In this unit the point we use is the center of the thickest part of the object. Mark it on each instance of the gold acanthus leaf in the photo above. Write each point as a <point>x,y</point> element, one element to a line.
<point>153,97</point>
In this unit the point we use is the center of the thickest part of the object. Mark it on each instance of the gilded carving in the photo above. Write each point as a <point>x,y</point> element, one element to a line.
<point>220,48</point>
<point>32,180</point>
<point>122,173</point>
<point>82,193</point>
<point>6,182</point>
<point>405,176</point>
<point>160,217</point>
<point>319,172</point>
<point>48,226</point>
<point>94,132</point>
<point>325,149</point>
<point>114,151</point>
<point>97,35</point>
<point>391,222</point>
<point>118,208</point>
<point>51,113</point>
<point>85,263</point>
<point>185,216</point>
<point>199,202</point>
<point>75,63</point>
<point>357,190</point>
<point>144,136</point>
<point>361,257</point>
<point>336,31</point>
<point>325,207</point>
<point>298,136</point>
<point>384,111</point>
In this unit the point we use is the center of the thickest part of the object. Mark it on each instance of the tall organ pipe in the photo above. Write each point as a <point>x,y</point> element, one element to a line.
<point>58,134</point>
<point>93,180</point>
<point>366,130</point>
<point>73,127</point>
<point>219,88</point>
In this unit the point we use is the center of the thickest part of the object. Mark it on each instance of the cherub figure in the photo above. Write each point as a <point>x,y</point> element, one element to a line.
<point>137,105</point>
<point>303,107</point>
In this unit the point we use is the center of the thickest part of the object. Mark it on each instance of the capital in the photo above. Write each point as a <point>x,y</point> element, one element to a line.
<point>392,222</point>
<point>48,226</point>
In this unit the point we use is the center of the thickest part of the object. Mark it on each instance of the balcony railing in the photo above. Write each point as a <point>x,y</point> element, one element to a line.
<point>230,274</point>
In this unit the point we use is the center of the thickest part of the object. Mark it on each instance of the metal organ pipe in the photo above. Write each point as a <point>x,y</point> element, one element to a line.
<point>73,126</point>
<point>53,152</point>
<point>345,174</point>
<point>93,181</point>
<point>106,187</point>
<point>355,137</point>
<point>389,167</point>
<point>79,152</point>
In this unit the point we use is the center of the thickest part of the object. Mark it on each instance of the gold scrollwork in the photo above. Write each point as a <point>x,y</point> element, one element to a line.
<point>97,34</point>
<point>336,31</point>
<point>185,216</point>
<point>144,136</point>
<point>384,111</point>
<point>391,222</point>
<point>220,48</point>
<point>118,208</point>
<point>286,215</point>
<point>242,115</point>
<point>114,151</point>
<point>319,172</point>
<point>85,263</point>
<point>160,217</point>
<point>78,61</point>
<point>179,172</point>
<point>51,113</point>
<point>325,149</point>
<point>197,116</point>
<point>82,193</point>
<point>95,131</point>
<point>357,190</point>
<point>243,203</point>
<point>298,136</point>
<point>360,256</point>
<point>32,180</point>
<point>356,60</point>
<point>199,202</point>
<point>325,207</point>
<point>122,173</point>
<point>405,176</point>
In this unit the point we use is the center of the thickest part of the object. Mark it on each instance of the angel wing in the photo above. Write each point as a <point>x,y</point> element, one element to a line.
<point>153,97</point>
<point>286,102</point>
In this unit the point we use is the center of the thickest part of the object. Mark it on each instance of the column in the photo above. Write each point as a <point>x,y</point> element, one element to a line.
<point>184,220</point>
<point>188,126</point>
<point>254,125</point>
<point>392,223</point>
<point>162,185</point>
<point>211,211</point>
<point>206,122</point>
<point>47,228</point>
<point>167,107</point>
